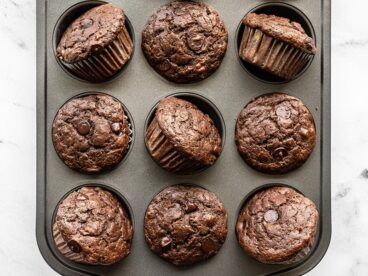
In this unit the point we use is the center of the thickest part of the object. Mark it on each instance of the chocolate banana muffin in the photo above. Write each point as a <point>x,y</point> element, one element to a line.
<point>185,41</point>
<point>185,224</point>
<point>276,44</point>
<point>97,44</point>
<point>277,226</point>
<point>275,133</point>
<point>91,133</point>
<point>181,138</point>
<point>91,226</point>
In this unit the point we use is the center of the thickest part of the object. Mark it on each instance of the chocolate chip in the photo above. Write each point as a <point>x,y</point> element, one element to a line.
<point>166,241</point>
<point>83,127</point>
<point>271,216</point>
<point>209,246</point>
<point>74,246</point>
<point>115,127</point>
<point>280,153</point>
<point>195,41</point>
<point>190,207</point>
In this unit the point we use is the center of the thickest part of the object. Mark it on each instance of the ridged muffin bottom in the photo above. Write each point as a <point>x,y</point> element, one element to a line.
<point>272,55</point>
<point>63,247</point>
<point>103,66</point>
<point>165,154</point>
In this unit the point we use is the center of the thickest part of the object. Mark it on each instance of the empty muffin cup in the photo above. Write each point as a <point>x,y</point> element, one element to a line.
<point>93,40</point>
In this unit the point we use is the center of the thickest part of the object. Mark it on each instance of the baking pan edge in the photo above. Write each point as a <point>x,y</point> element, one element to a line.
<point>325,209</point>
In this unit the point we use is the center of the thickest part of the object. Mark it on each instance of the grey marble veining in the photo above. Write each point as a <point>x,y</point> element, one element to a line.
<point>19,254</point>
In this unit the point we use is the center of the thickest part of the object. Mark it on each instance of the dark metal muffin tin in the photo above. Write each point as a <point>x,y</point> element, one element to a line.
<point>138,178</point>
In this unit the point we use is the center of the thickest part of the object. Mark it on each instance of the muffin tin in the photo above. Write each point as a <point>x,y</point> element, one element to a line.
<point>138,179</point>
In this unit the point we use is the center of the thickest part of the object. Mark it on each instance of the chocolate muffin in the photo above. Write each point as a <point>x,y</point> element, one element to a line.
<point>185,41</point>
<point>277,226</point>
<point>91,133</point>
<point>185,224</point>
<point>181,138</point>
<point>97,44</point>
<point>276,45</point>
<point>275,133</point>
<point>91,226</point>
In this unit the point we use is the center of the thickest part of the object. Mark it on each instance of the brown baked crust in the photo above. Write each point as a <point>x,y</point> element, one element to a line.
<point>90,33</point>
<point>275,133</point>
<point>95,226</point>
<point>185,224</point>
<point>282,29</point>
<point>189,130</point>
<point>185,41</point>
<point>91,133</point>
<point>277,224</point>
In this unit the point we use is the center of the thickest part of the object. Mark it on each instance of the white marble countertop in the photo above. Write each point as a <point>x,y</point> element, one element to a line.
<point>347,255</point>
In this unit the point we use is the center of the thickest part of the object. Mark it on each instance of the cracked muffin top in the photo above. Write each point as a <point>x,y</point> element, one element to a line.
<point>185,41</point>
<point>185,224</point>
<point>283,29</point>
<point>277,225</point>
<point>90,33</point>
<point>275,133</point>
<point>91,133</point>
<point>94,225</point>
<point>189,130</point>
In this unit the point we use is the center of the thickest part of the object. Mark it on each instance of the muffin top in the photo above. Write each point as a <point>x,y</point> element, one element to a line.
<point>90,33</point>
<point>275,133</point>
<point>276,224</point>
<point>91,133</point>
<point>185,41</point>
<point>94,225</point>
<point>185,224</point>
<point>282,29</point>
<point>189,130</point>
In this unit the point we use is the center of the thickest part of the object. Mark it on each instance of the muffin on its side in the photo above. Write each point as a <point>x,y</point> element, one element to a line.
<point>275,133</point>
<point>181,138</point>
<point>185,41</point>
<point>185,224</point>
<point>277,226</point>
<point>97,44</point>
<point>91,133</point>
<point>91,226</point>
<point>276,45</point>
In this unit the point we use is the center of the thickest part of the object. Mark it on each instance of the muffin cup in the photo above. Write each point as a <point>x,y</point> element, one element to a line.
<point>299,256</point>
<point>106,64</point>
<point>272,55</point>
<point>63,247</point>
<point>268,59</point>
<point>165,154</point>
<point>130,132</point>
<point>60,243</point>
